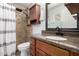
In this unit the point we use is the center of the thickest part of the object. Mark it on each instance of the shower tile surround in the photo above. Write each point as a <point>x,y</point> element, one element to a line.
<point>22,30</point>
<point>7,30</point>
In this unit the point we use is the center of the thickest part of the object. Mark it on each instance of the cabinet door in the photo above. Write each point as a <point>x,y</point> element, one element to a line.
<point>32,50</point>
<point>74,54</point>
<point>32,47</point>
<point>32,42</point>
<point>38,13</point>
<point>50,49</point>
<point>40,53</point>
<point>35,13</point>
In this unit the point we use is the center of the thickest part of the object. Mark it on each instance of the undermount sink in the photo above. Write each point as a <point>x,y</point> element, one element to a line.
<point>55,38</point>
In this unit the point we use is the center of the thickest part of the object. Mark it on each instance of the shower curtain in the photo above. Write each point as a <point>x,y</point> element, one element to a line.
<point>7,30</point>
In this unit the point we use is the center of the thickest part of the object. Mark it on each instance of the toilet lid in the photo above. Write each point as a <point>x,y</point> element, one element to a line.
<point>24,44</point>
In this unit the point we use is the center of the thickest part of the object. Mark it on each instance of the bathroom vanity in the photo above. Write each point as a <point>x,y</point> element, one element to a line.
<point>41,46</point>
<point>58,21</point>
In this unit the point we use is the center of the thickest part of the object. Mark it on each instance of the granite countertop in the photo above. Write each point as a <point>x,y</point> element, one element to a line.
<point>71,44</point>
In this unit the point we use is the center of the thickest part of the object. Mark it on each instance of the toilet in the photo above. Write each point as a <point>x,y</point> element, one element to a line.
<point>24,48</point>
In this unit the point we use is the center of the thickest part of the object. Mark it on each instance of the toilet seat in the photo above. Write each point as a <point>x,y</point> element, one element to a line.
<point>23,47</point>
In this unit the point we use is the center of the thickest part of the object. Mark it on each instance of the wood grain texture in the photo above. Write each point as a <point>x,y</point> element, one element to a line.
<point>40,52</point>
<point>51,50</point>
<point>33,42</point>
<point>74,54</point>
<point>33,47</point>
<point>35,13</point>
<point>32,50</point>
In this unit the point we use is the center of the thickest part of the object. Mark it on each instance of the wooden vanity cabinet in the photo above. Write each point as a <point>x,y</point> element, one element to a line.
<point>39,52</point>
<point>41,48</point>
<point>74,54</point>
<point>50,49</point>
<point>32,47</point>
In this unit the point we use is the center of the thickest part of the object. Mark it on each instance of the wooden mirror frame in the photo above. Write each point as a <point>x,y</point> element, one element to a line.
<point>63,29</point>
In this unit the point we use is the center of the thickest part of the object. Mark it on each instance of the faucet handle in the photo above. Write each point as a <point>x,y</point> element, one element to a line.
<point>57,28</point>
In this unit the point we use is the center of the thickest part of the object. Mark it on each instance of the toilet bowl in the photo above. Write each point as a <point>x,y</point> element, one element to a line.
<point>24,48</point>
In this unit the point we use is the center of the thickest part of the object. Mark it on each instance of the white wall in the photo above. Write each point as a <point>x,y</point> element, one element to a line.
<point>39,27</point>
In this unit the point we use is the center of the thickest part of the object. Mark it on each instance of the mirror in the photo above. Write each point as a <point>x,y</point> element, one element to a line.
<point>58,15</point>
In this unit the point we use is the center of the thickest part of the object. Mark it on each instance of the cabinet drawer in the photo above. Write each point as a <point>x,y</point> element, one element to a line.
<point>32,50</point>
<point>40,53</point>
<point>50,49</point>
<point>33,42</point>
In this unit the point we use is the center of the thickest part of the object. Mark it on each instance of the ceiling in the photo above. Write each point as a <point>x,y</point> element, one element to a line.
<point>23,5</point>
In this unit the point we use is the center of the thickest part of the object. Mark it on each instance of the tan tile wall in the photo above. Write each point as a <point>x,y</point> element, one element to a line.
<point>22,30</point>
